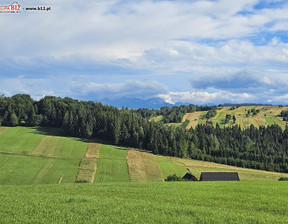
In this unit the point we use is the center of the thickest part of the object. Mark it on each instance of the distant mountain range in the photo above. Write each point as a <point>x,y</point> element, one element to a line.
<point>135,103</point>
<point>151,103</point>
<point>156,103</point>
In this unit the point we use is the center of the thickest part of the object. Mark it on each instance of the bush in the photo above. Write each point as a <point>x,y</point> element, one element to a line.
<point>283,179</point>
<point>173,177</point>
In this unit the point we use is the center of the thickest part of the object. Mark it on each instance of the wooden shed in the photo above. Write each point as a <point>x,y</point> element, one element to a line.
<point>219,176</point>
<point>190,177</point>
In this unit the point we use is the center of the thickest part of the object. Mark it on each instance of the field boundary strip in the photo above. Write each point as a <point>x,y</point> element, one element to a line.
<point>88,164</point>
<point>47,147</point>
<point>34,155</point>
<point>143,166</point>
<point>218,165</point>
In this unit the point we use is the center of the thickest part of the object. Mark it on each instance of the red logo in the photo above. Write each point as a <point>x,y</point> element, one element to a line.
<point>15,7</point>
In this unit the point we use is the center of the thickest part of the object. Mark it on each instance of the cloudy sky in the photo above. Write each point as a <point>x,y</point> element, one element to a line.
<point>195,51</point>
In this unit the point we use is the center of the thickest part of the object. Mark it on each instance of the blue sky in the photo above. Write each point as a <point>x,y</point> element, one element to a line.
<point>198,51</point>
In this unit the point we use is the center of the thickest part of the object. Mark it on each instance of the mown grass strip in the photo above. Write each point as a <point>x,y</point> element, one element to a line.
<point>196,167</point>
<point>54,146</point>
<point>143,167</point>
<point>86,171</point>
<point>93,150</point>
<point>48,146</point>
<point>88,164</point>
<point>3,129</point>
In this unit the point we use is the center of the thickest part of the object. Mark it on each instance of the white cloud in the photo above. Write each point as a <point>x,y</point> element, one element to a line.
<point>129,88</point>
<point>116,29</point>
<point>202,97</point>
<point>190,38</point>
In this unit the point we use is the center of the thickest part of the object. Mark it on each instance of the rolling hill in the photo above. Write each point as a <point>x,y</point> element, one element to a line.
<point>42,156</point>
<point>267,115</point>
<point>39,168</point>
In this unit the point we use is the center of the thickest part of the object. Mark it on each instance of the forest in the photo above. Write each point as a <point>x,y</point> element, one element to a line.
<point>265,148</point>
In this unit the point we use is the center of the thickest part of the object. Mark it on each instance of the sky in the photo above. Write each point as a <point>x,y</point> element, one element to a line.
<point>193,51</point>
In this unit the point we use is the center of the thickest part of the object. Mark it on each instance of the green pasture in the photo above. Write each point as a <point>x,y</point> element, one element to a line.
<point>19,140</point>
<point>180,202</point>
<point>38,156</point>
<point>112,165</point>
<point>21,170</point>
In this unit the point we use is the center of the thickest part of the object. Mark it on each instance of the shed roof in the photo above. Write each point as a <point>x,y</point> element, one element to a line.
<point>189,176</point>
<point>219,176</point>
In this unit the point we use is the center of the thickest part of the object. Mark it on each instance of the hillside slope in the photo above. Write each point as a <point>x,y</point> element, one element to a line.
<point>41,156</point>
<point>267,115</point>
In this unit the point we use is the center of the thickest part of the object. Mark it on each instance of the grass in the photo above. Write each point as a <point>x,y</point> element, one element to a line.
<point>111,165</point>
<point>3,129</point>
<point>192,118</point>
<point>182,202</point>
<point>29,156</point>
<point>21,170</point>
<point>87,170</point>
<point>196,167</point>
<point>19,139</point>
<point>62,147</point>
<point>169,166</point>
<point>143,167</point>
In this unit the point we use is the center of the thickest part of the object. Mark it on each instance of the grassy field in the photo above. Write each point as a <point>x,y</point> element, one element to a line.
<point>31,156</point>
<point>268,115</point>
<point>112,165</point>
<point>21,170</point>
<point>67,160</point>
<point>182,202</point>
<point>171,165</point>
<point>19,140</point>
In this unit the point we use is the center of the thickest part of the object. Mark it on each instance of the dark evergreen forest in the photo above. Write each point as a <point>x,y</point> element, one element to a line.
<point>264,148</point>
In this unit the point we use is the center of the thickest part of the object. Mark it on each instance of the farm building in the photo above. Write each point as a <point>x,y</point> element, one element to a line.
<point>189,176</point>
<point>219,176</point>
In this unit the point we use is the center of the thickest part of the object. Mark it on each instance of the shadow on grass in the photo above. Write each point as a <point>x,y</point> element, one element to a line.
<point>55,132</point>
<point>48,131</point>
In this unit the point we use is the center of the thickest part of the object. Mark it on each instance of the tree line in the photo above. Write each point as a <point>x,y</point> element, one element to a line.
<point>264,148</point>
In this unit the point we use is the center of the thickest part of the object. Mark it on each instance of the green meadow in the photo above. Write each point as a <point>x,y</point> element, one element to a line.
<point>180,202</point>
<point>112,165</point>
<point>48,158</point>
